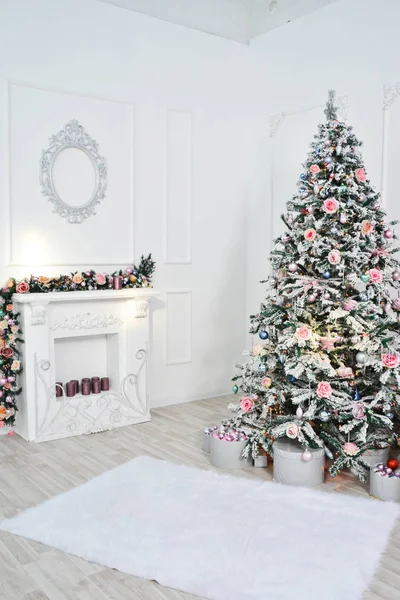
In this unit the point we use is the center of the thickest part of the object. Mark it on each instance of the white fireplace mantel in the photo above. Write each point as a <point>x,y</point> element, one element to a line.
<point>71,335</point>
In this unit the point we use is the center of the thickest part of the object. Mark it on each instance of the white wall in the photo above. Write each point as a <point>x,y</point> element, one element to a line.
<point>168,107</point>
<point>352,46</point>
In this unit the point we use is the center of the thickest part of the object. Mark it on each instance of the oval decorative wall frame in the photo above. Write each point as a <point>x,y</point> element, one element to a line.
<point>73,136</point>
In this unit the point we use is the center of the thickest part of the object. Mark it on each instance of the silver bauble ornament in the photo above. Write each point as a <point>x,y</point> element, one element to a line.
<point>285,237</point>
<point>273,282</point>
<point>343,217</point>
<point>299,412</point>
<point>311,210</point>
<point>361,357</point>
<point>306,456</point>
<point>334,230</point>
<point>324,416</point>
<point>327,295</point>
<point>316,188</point>
<point>293,267</point>
<point>280,300</point>
<point>356,339</point>
<point>389,415</point>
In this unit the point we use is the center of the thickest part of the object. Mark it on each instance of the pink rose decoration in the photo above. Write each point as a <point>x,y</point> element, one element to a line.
<point>350,448</point>
<point>350,304</point>
<point>22,287</point>
<point>334,257</point>
<point>367,227</point>
<point>345,372</point>
<point>292,431</point>
<point>101,279</point>
<point>324,390</point>
<point>360,174</point>
<point>375,276</point>
<point>314,169</point>
<point>310,235</point>
<point>303,333</point>
<point>247,404</point>
<point>266,382</point>
<point>358,411</point>
<point>396,304</point>
<point>391,361</point>
<point>331,206</point>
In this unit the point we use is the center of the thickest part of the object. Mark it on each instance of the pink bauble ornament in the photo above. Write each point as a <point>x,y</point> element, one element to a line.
<point>311,298</point>
<point>306,456</point>
<point>3,381</point>
<point>293,267</point>
<point>388,234</point>
<point>396,275</point>
<point>311,210</point>
<point>396,304</point>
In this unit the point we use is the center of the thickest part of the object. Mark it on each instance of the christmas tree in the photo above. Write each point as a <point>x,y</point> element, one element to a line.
<point>326,369</point>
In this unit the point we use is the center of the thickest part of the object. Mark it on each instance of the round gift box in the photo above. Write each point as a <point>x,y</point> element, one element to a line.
<point>206,442</point>
<point>384,487</point>
<point>291,469</point>
<point>375,456</point>
<point>227,455</point>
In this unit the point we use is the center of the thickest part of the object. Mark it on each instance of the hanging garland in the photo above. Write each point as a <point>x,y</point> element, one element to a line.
<point>10,332</point>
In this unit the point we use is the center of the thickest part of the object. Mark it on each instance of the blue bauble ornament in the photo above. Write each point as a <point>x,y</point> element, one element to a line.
<point>303,176</point>
<point>235,389</point>
<point>326,274</point>
<point>328,160</point>
<point>363,297</point>
<point>292,378</point>
<point>264,335</point>
<point>302,189</point>
<point>356,395</point>
<point>280,360</point>
<point>389,415</point>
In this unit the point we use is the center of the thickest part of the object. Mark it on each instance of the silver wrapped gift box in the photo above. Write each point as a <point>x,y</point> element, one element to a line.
<point>291,469</point>
<point>227,455</point>
<point>384,487</point>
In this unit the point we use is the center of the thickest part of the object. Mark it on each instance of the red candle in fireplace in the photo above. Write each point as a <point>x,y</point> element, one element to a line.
<point>105,384</point>
<point>76,382</point>
<point>71,389</point>
<point>96,386</point>
<point>117,282</point>
<point>85,387</point>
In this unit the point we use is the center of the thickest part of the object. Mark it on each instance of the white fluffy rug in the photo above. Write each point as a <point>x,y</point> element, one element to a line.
<point>217,536</point>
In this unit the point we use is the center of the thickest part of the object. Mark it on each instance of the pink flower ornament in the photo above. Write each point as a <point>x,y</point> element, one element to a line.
<point>310,235</point>
<point>367,227</point>
<point>345,372</point>
<point>358,411</point>
<point>350,448</point>
<point>331,206</point>
<point>101,279</point>
<point>334,257</point>
<point>314,169</point>
<point>247,404</point>
<point>350,304</point>
<point>391,361</point>
<point>266,382</point>
<point>22,287</point>
<point>360,174</point>
<point>303,333</point>
<point>375,276</point>
<point>324,390</point>
<point>292,431</point>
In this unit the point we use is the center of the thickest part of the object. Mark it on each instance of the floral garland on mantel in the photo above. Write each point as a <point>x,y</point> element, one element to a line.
<point>10,332</point>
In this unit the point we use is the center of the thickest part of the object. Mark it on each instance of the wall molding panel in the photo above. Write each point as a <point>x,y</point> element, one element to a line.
<point>390,94</point>
<point>178,334</point>
<point>178,188</point>
<point>120,197</point>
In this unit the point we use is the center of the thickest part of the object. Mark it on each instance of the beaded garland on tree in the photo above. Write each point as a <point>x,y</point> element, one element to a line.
<point>327,373</point>
<point>10,333</point>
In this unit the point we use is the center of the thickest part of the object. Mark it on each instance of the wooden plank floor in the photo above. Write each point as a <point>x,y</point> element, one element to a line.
<point>31,473</point>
